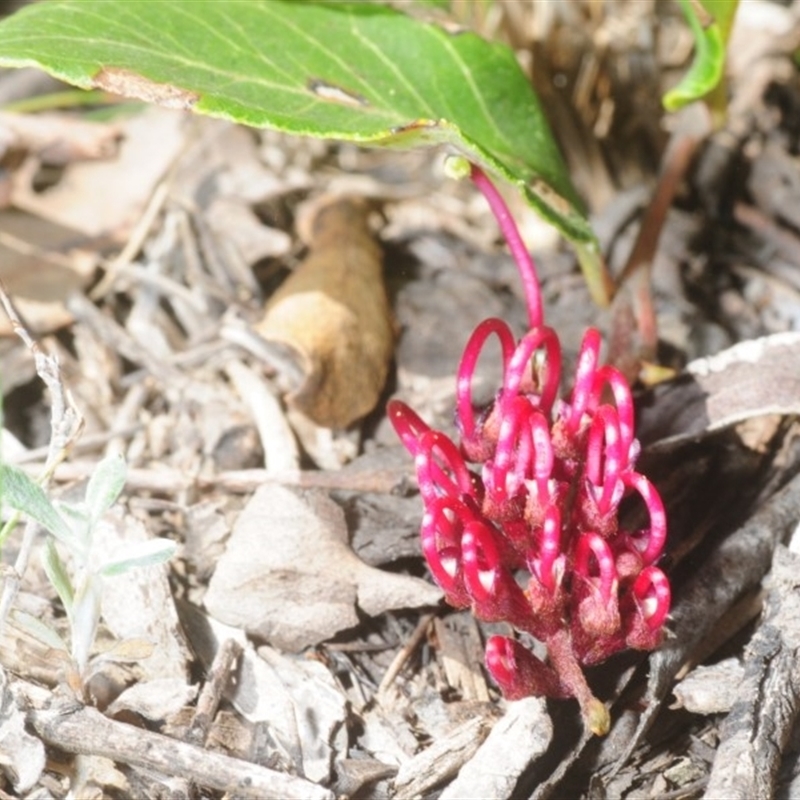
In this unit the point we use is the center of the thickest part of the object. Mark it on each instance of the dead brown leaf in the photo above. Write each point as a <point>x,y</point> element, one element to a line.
<point>288,575</point>
<point>156,699</point>
<point>750,379</point>
<point>40,266</point>
<point>58,138</point>
<point>333,314</point>
<point>296,697</point>
<point>107,197</point>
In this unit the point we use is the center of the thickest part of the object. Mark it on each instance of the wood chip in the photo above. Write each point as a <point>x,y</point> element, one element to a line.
<point>441,761</point>
<point>516,741</point>
<point>712,689</point>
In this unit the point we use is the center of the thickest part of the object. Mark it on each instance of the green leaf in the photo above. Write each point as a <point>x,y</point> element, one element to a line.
<point>39,631</point>
<point>105,485</point>
<point>77,518</point>
<point>343,70</point>
<point>21,493</point>
<point>141,554</point>
<point>57,575</point>
<point>710,21</point>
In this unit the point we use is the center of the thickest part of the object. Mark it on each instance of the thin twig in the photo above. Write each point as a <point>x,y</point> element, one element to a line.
<point>118,339</point>
<point>86,444</point>
<point>166,480</point>
<point>403,654</point>
<point>65,426</point>
<point>23,247</point>
<point>135,241</point>
<point>276,436</point>
<point>207,703</point>
<point>65,420</point>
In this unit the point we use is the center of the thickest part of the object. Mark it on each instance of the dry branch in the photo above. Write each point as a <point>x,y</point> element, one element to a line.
<point>85,731</point>
<point>757,730</point>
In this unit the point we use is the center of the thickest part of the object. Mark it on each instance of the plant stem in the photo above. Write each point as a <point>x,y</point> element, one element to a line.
<point>562,658</point>
<point>524,262</point>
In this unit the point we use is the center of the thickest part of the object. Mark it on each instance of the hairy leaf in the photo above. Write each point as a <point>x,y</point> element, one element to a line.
<point>57,575</point>
<point>22,494</point>
<point>41,632</point>
<point>140,554</point>
<point>105,485</point>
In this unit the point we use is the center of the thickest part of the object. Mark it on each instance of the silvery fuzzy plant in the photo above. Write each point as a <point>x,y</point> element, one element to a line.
<point>72,528</point>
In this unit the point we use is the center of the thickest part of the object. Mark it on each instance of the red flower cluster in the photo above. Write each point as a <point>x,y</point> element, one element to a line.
<point>521,516</point>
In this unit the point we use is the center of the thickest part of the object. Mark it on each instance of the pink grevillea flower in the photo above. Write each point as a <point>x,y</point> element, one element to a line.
<point>521,521</point>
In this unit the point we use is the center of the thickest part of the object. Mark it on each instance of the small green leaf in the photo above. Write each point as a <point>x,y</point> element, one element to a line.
<point>21,493</point>
<point>710,21</point>
<point>140,554</point>
<point>105,485</point>
<point>356,71</point>
<point>39,631</point>
<point>57,575</point>
<point>77,518</point>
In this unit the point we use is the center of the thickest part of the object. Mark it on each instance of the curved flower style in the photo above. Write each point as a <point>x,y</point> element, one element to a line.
<point>533,488</point>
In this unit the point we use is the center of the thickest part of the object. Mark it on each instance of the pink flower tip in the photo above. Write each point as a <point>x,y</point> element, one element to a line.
<point>407,424</point>
<point>653,596</point>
